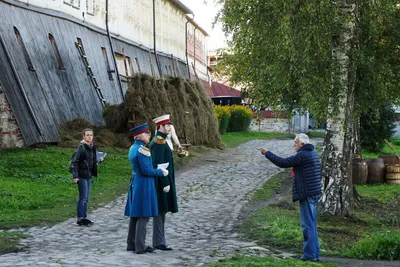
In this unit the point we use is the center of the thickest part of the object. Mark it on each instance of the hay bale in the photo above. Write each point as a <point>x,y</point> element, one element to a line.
<point>190,108</point>
<point>71,135</point>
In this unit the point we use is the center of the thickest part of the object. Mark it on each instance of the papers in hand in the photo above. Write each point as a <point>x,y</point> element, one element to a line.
<point>163,165</point>
<point>100,155</point>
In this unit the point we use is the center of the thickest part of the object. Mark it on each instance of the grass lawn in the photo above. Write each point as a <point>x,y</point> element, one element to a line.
<point>372,234</point>
<point>236,138</point>
<point>240,261</point>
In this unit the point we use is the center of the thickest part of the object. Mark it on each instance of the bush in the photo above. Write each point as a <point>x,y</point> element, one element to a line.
<point>384,246</point>
<point>376,125</point>
<point>223,114</point>
<point>240,118</point>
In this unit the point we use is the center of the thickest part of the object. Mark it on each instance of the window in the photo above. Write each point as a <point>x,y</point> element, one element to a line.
<point>128,66</point>
<point>124,65</point>
<point>56,52</point>
<point>73,3</point>
<point>137,63</point>
<point>109,71</point>
<point>24,51</point>
<point>90,7</point>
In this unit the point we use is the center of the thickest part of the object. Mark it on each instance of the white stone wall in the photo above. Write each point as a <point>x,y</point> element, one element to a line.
<point>197,56</point>
<point>10,135</point>
<point>270,125</point>
<point>130,19</point>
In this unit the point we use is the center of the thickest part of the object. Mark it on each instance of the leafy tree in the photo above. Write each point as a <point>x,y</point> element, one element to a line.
<point>376,126</point>
<point>335,58</point>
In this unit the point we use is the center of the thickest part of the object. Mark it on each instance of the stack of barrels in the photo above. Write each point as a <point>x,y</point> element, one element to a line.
<point>374,171</point>
<point>392,164</point>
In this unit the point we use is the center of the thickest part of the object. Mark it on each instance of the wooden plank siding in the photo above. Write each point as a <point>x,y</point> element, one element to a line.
<point>58,94</point>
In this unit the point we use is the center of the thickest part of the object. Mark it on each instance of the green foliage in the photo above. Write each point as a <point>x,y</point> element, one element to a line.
<point>223,114</point>
<point>386,150</point>
<point>381,246</point>
<point>377,125</point>
<point>281,53</point>
<point>240,118</point>
<point>235,138</point>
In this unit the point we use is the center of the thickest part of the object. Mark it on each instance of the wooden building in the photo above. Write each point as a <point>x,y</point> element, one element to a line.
<point>64,59</point>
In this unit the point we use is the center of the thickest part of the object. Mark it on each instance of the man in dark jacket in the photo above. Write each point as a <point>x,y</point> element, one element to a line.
<point>306,174</point>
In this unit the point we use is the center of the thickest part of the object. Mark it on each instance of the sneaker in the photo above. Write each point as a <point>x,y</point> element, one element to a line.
<point>79,222</point>
<point>86,222</point>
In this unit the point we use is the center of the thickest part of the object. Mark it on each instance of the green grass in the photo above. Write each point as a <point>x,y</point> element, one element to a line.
<point>268,189</point>
<point>362,236</point>
<point>386,150</point>
<point>233,139</point>
<point>243,261</point>
<point>35,187</point>
<point>9,241</point>
<point>314,134</point>
<point>384,193</point>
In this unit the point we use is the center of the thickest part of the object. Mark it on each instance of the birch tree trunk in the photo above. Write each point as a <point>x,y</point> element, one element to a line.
<point>336,159</point>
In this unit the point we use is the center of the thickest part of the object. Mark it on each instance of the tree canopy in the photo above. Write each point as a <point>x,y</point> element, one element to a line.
<point>281,51</point>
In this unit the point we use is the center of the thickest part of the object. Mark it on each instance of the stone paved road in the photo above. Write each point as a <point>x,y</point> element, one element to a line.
<point>210,194</point>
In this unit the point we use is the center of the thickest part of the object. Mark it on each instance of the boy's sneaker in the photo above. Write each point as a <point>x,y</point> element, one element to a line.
<point>86,222</point>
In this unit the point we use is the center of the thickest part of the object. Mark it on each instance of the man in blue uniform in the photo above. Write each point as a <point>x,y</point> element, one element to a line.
<point>306,174</point>
<point>165,186</point>
<point>141,202</point>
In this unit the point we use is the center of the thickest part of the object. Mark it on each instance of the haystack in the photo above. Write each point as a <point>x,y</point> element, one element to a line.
<point>147,98</point>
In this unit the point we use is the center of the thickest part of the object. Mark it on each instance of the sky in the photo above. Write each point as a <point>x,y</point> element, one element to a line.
<point>204,13</point>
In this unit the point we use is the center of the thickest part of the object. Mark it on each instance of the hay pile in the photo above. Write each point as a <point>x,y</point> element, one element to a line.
<point>71,135</point>
<point>147,98</point>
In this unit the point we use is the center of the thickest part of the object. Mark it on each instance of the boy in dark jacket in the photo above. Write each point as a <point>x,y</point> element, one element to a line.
<point>306,174</point>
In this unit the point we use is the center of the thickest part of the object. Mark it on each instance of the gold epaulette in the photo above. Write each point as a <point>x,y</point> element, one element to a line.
<point>159,140</point>
<point>145,151</point>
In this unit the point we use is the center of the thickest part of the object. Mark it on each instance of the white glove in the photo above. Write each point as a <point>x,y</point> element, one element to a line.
<point>166,189</point>
<point>165,172</point>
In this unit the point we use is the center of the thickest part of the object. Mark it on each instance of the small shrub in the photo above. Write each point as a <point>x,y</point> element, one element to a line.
<point>383,246</point>
<point>376,125</point>
<point>223,114</point>
<point>240,118</point>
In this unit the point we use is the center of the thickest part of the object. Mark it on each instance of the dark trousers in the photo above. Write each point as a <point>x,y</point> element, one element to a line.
<point>137,233</point>
<point>158,229</point>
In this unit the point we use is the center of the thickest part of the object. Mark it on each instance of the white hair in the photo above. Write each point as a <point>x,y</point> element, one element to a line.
<point>303,138</point>
<point>138,136</point>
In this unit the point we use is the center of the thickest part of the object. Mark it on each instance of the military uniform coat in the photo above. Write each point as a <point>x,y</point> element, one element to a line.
<point>161,152</point>
<point>142,200</point>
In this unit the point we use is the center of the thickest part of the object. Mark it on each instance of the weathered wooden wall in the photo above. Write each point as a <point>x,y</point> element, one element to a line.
<point>43,98</point>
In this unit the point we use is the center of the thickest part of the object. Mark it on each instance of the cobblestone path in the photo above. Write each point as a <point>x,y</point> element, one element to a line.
<point>211,193</point>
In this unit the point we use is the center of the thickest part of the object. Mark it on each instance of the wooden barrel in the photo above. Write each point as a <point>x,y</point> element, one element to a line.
<point>376,171</point>
<point>389,159</point>
<point>360,172</point>
<point>393,174</point>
